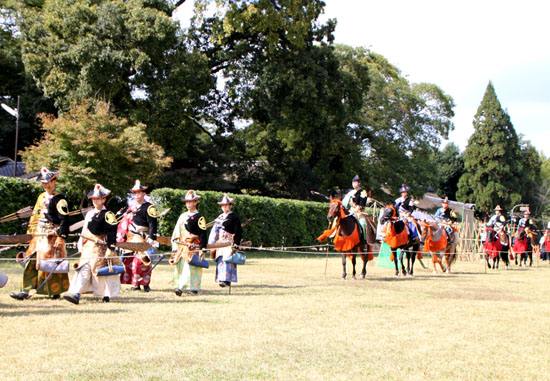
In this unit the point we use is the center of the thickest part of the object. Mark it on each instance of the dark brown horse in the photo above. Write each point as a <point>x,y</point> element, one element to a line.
<point>348,238</point>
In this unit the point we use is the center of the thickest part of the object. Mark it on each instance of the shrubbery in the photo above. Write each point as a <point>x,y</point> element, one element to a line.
<point>278,222</point>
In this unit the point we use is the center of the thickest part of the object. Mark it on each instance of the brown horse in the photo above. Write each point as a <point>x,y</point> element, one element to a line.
<point>523,247</point>
<point>497,245</point>
<point>437,241</point>
<point>348,238</point>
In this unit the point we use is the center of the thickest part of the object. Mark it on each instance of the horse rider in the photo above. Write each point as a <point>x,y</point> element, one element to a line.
<point>356,200</point>
<point>446,216</point>
<point>50,225</point>
<point>526,223</point>
<point>497,220</point>
<point>405,202</point>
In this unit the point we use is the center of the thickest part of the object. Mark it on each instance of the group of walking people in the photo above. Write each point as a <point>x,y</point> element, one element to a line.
<point>100,269</point>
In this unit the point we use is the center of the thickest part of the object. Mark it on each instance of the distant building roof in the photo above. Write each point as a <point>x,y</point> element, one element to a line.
<point>7,166</point>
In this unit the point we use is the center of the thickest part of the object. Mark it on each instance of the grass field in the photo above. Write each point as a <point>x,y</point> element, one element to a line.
<point>285,320</point>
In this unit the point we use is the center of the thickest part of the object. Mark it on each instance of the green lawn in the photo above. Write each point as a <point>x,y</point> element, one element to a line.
<point>286,320</point>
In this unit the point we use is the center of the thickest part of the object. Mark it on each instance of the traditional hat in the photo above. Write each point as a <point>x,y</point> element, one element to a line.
<point>226,200</point>
<point>99,192</point>
<point>46,175</point>
<point>356,178</point>
<point>3,280</point>
<point>445,201</point>
<point>191,196</point>
<point>138,187</point>
<point>404,188</point>
<point>498,208</point>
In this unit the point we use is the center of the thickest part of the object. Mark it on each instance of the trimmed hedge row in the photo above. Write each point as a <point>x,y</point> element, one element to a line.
<point>16,194</point>
<point>278,222</point>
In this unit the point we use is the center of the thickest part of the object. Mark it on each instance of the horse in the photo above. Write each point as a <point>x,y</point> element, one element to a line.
<point>412,248</point>
<point>492,246</point>
<point>437,240</point>
<point>394,233</point>
<point>348,238</point>
<point>497,245</point>
<point>522,247</point>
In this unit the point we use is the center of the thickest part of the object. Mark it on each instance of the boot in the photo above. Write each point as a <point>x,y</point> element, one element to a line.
<point>55,297</point>
<point>178,292</point>
<point>106,299</point>
<point>74,299</point>
<point>135,288</point>
<point>146,288</point>
<point>20,295</point>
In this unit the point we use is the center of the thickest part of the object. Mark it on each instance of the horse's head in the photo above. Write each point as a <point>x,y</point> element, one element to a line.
<point>336,210</point>
<point>520,234</point>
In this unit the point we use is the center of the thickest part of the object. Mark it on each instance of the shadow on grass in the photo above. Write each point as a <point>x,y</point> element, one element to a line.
<point>12,310</point>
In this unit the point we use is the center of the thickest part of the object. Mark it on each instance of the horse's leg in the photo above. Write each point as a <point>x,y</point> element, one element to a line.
<point>530,255</point>
<point>402,264</point>
<point>396,262</point>
<point>344,266</point>
<point>504,257</point>
<point>416,249</point>
<point>497,260</point>
<point>365,259</point>
<point>353,262</point>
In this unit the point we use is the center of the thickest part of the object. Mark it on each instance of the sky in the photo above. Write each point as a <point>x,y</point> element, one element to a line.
<point>460,46</point>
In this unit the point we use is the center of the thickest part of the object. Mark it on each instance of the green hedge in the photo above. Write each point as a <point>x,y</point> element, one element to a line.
<point>16,194</point>
<point>279,222</point>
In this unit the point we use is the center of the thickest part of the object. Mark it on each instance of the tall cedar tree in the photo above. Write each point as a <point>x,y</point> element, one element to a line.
<point>492,158</point>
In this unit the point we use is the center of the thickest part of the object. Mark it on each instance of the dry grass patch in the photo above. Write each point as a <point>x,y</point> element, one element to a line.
<point>285,320</point>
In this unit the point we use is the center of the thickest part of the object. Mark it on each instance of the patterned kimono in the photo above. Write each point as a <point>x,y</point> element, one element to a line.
<point>50,219</point>
<point>142,222</point>
<point>98,225</point>
<point>191,229</point>
<point>227,228</point>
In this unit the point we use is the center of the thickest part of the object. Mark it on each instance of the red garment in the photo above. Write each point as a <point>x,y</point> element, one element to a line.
<point>435,246</point>
<point>135,269</point>
<point>393,239</point>
<point>493,248</point>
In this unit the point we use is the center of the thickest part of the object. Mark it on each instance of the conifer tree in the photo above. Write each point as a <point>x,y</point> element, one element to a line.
<point>492,158</point>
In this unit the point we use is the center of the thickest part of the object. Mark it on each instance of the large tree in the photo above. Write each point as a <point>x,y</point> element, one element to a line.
<point>16,82</point>
<point>492,158</point>
<point>400,124</point>
<point>128,53</point>
<point>284,102</point>
<point>449,164</point>
<point>89,144</point>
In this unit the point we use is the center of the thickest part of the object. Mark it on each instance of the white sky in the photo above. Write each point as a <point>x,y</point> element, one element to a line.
<point>459,46</point>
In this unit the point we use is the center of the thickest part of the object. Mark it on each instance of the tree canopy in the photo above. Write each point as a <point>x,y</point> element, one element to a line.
<point>252,97</point>
<point>492,158</point>
<point>89,144</point>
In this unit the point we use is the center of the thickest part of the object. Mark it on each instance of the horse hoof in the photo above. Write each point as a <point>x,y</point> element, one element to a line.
<point>343,277</point>
<point>363,276</point>
<point>353,277</point>
<point>434,272</point>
